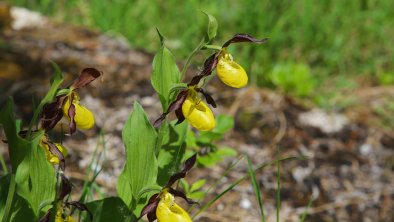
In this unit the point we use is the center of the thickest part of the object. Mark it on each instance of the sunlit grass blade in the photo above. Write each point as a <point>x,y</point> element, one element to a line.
<point>229,188</point>
<point>303,216</point>
<point>3,165</point>
<point>256,189</point>
<point>220,179</point>
<point>10,198</point>
<point>87,186</point>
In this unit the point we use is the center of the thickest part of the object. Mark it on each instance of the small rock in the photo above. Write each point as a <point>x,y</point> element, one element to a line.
<point>326,122</point>
<point>245,203</point>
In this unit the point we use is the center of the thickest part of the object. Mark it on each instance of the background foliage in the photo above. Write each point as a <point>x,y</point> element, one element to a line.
<point>335,41</point>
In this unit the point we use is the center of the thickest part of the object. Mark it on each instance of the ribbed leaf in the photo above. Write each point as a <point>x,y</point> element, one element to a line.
<point>165,74</point>
<point>171,150</point>
<point>212,27</point>
<point>140,169</point>
<point>20,210</point>
<point>34,175</point>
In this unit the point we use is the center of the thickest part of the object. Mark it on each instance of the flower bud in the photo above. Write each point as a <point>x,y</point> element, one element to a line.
<point>168,211</point>
<point>197,112</point>
<point>83,118</point>
<point>230,72</point>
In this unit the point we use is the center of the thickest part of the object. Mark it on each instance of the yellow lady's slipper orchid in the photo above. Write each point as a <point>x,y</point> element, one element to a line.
<point>52,158</point>
<point>230,72</point>
<point>83,118</point>
<point>197,112</point>
<point>168,211</point>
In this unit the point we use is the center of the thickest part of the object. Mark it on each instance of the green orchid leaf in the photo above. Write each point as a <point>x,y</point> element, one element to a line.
<point>171,150</point>
<point>198,195</point>
<point>212,27</point>
<point>140,169</point>
<point>20,210</point>
<point>223,124</point>
<point>165,74</point>
<point>227,152</point>
<point>110,209</point>
<point>197,185</point>
<point>209,159</point>
<point>34,175</point>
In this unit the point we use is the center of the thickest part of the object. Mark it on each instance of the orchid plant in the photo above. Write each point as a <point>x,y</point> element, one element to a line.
<point>38,187</point>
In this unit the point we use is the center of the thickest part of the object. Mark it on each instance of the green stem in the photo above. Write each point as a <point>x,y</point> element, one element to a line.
<point>213,47</point>
<point>10,198</point>
<point>189,59</point>
<point>34,119</point>
<point>3,165</point>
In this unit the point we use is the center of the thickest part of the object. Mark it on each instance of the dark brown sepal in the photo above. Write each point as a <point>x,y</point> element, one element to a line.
<point>87,76</point>
<point>80,206</point>
<point>208,98</point>
<point>152,216</point>
<point>71,114</point>
<point>209,65</point>
<point>51,114</point>
<point>179,115</point>
<point>244,38</point>
<point>66,187</point>
<point>189,163</point>
<point>150,208</point>
<point>159,120</point>
<point>181,194</point>
<point>175,105</point>
<point>46,217</point>
<point>55,151</point>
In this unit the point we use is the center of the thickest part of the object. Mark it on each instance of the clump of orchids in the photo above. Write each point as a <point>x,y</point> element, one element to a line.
<point>66,105</point>
<point>162,206</point>
<point>188,103</point>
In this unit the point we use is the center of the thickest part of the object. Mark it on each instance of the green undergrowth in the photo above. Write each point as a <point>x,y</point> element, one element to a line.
<point>310,43</point>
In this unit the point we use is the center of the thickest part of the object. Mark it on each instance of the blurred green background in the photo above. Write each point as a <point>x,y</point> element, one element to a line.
<point>316,48</point>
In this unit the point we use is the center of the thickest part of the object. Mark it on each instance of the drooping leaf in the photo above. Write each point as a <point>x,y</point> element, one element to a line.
<point>140,169</point>
<point>110,209</point>
<point>34,175</point>
<point>20,210</point>
<point>226,152</point>
<point>209,159</point>
<point>171,150</point>
<point>212,27</point>
<point>197,185</point>
<point>165,74</point>
<point>16,145</point>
